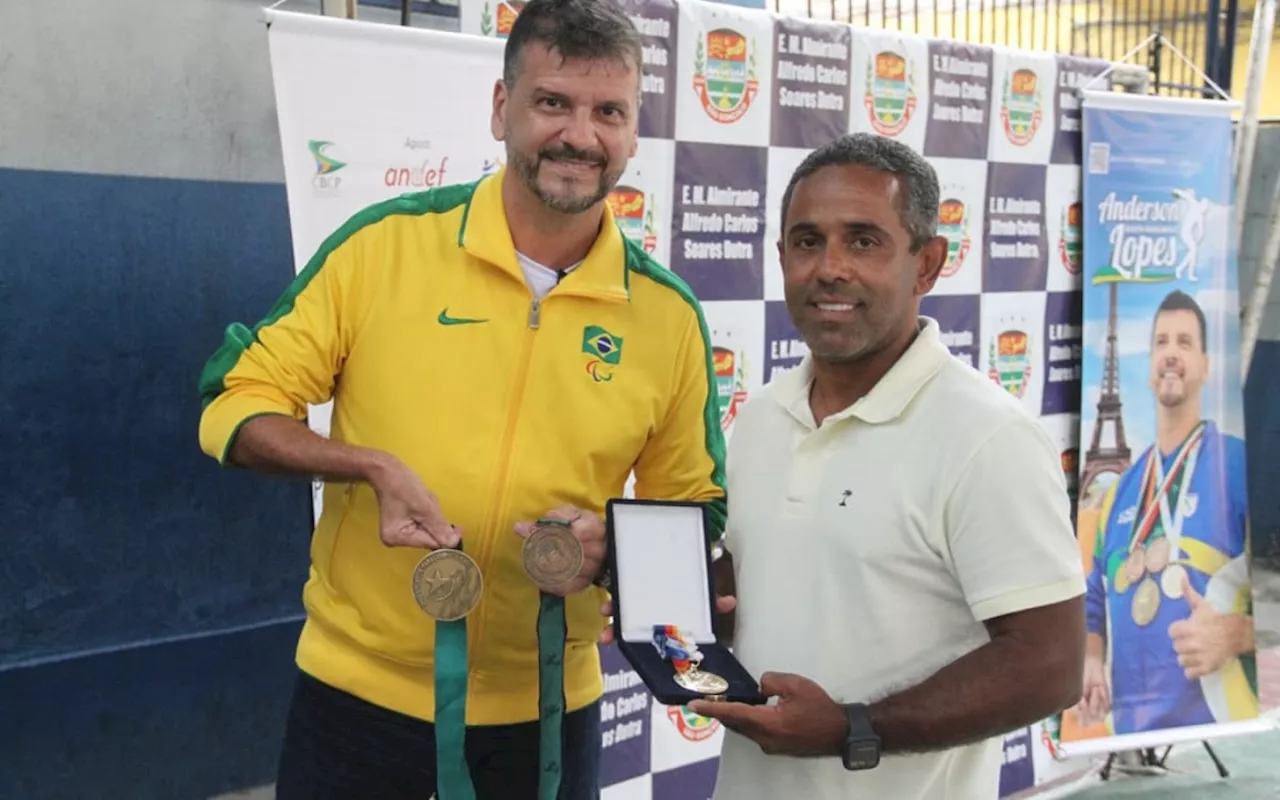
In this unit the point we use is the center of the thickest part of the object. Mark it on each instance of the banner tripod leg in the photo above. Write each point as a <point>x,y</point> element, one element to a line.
<point>1106,769</point>
<point>1159,762</point>
<point>1222,770</point>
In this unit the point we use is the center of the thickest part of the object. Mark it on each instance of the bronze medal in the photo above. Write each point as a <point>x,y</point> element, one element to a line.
<point>447,584</point>
<point>1146,602</point>
<point>552,555</point>
<point>1135,566</point>
<point>1157,555</point>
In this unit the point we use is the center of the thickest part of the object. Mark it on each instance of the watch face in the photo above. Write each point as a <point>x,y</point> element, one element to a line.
<point>862,754</point>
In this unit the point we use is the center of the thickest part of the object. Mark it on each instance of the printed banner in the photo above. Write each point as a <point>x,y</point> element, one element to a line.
<point>733,100</point>
<point>1163,511</point>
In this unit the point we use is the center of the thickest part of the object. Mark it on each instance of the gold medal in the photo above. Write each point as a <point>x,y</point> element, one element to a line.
<point>704,683</point>
<point>1146,602</point>
<point>1122,582</point>
<point>447,584</point>
<point>1171,581</point>
<point>1136,565</point>
<point>552,555</point>
<point>1157,555</point>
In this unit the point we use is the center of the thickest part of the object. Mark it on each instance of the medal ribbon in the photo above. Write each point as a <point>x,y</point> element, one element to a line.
<point>1151,506</point>
<point>673,646</point>
<point>1173,527</point>
<point>552,632</point>
<point>453,775</point>
<point>453,781</point>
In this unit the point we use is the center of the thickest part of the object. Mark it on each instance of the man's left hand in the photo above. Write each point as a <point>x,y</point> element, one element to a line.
<point>1206,640</point>
<point>804,722</point>
<point>588,529</point>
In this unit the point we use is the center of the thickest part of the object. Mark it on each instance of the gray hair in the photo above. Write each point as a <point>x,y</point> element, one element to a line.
<point>586,30</point>
<point>916,177</point>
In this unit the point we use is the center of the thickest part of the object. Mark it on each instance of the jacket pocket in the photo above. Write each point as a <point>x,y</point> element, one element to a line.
<point>337,503</point>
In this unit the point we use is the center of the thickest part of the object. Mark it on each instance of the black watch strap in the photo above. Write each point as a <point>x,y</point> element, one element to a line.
<point>862,745</point>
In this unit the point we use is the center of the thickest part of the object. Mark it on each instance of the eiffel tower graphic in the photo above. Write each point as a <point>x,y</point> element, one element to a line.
<point>1099,460</point>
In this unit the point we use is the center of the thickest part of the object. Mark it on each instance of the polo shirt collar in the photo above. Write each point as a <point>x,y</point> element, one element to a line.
<point>486,235</point>
<point>888,398</point>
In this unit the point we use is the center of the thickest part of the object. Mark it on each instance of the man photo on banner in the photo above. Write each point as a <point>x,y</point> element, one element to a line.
<point>1170,640</point>
<point>901,611</point>
<point>501,361</point>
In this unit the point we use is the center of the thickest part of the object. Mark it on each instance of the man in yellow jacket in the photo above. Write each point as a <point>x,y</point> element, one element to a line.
<point>497,352</point>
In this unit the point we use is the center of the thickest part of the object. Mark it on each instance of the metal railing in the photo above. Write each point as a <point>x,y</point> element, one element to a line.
<point>1205,31</point>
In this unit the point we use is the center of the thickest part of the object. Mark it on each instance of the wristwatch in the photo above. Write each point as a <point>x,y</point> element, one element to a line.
<point>862,745</point>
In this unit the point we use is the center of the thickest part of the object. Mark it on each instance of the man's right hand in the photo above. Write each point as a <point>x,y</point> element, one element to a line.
<point>409,512</point>
<point>1095,700</point>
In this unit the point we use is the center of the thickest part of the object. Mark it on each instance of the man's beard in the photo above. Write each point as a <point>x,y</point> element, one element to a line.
<point>527,169</point>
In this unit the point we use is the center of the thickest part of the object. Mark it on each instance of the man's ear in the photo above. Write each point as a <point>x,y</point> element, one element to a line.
<point>498,120</point>
<point>929,263</point>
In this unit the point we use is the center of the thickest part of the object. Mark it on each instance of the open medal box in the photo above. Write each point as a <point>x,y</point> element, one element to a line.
<point>660,563</point>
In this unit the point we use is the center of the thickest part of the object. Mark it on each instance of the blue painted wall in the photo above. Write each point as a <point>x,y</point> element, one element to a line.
<point>120,532</point>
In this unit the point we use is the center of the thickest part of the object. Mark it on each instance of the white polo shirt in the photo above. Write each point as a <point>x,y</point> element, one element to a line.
<point>869,550</point>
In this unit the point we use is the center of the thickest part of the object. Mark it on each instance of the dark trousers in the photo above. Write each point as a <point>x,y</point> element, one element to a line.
<point>339,747</point>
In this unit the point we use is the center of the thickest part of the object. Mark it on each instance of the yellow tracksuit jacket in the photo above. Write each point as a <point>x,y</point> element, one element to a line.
<point>416,319</point>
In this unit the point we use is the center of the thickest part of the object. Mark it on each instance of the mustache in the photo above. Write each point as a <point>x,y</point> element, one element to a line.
<point>567,152</point>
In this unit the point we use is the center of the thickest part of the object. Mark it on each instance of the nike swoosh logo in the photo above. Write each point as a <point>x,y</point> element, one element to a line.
<point>445,319</point>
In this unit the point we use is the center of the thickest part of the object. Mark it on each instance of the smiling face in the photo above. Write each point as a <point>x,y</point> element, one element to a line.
<point>852,283</point>
<point>1179,363</point>
<point>570,126</point>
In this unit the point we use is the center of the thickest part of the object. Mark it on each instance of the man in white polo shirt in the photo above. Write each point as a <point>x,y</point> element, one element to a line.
<point>909,587</point>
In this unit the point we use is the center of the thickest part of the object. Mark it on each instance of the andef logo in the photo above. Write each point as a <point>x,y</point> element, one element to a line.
<point>634,215</point>
<point>324,181</point>
<point>1010,362</point>
<point>691,726</point>
<point>891,93</point>
<point>731,384</point>
<point>1069,239</point>
<point>953,223</point>
<point>724,75</point>
<point>1020,113</point>
<point>507,13</point>
<point>427,175</point>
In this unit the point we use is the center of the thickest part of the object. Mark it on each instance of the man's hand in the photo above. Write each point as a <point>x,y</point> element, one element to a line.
<point>588,529</point>
<point>1206,640</point>
<point>409,512</point>
<point>1095,700</point>
<point>805,721</point>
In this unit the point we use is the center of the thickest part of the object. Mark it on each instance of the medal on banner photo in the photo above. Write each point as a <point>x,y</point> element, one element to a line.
<point>1146,602</point>
<point>1171,581</point>
<point>1153,545</point>
<point>681,651</point>
<point>552,555</point>
<point>447,584</point>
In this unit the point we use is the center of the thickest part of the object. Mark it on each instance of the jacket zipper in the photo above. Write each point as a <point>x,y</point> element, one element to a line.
<point>487,541</point>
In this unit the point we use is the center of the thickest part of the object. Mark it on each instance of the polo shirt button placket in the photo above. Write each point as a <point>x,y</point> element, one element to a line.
<point>805,469</point>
